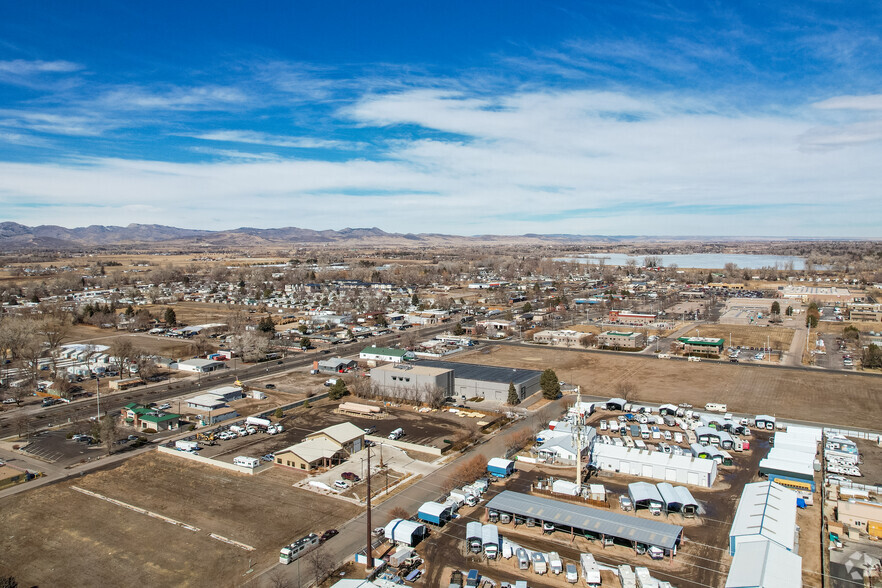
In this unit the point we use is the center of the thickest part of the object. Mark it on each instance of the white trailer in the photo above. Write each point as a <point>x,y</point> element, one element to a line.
<point>555,563</point>
<point>258,422</point>
<point>627,577</point>
<point>246,462</point>
<point>186,445</point>
<point>590,570</point>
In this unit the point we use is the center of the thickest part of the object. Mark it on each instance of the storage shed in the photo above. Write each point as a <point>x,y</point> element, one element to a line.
<point>680,469</point>
<point>645,495</point>
<point>405,532</point>
<point>435,513</point>
<point>500,468</point>
<point>764,564</point>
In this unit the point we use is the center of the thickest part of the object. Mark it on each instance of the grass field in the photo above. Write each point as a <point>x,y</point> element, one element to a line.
<point>56,536</point>
<point>744,335</point>
<point>817,396</point>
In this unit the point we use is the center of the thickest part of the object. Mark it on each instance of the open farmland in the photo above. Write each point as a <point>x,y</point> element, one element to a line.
<point>809,395</point>
<point>746,336</point>
<point>83,540</point>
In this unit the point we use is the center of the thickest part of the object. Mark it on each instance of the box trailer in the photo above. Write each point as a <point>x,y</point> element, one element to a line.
<point>554,563</point>
<point>246,462</point>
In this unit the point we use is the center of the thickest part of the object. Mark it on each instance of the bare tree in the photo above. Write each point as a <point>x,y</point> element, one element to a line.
<point>124,350</point>
<point>278,579</point>
<point>625,389</point>
<point>322,564</point>
<point>109,432</point>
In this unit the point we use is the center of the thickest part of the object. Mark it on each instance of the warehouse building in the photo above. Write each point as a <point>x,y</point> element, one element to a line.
<point>198,366</point>
<point>586,520</point>
<point>766,511</point>
<point>415,382</point>
<point>667,467</point>
<point>488,382</point>
<point>336,365</point>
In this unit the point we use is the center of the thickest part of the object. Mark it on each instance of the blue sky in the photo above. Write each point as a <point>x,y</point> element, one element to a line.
<point>640,118</point>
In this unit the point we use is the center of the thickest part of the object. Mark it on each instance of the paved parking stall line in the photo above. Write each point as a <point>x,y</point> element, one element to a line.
<point>231,542</point>
<point>137,509</point>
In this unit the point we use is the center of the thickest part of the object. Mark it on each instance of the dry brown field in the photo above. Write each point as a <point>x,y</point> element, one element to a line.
<point>747,336</point>
<point>56,536</point>
<point>809,395</point>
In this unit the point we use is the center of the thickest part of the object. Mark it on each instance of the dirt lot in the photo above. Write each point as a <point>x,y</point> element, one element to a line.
<point>871,462</point>
<point>815,396</point>
<point>746,336</point>
<point>85,541</point>
<point>153,344</point>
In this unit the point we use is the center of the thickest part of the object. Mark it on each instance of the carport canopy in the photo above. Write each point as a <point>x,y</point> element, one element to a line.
<point>616,404</point>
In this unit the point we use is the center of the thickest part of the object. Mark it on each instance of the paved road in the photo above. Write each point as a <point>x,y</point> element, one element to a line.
<point>353,535</point>
<point>42,418</point>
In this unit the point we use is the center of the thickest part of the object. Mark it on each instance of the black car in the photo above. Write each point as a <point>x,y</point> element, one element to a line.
<point>270,386</point>
<point>328,534</point>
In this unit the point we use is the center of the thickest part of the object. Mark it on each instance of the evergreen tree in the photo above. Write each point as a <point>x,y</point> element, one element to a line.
<point>171,319</point>
<point>550,384</point>
<point>513,398</point>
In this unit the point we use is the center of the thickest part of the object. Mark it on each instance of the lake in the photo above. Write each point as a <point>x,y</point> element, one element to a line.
<point>696,260</point>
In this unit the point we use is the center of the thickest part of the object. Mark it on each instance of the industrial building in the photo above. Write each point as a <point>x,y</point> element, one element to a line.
<point>630,318</point>
<point>412,381</point>
<point>200,366</point>
<point>766,511</point>
<point>336,365</point>
<point>668,467</point>
<point>790,462</point>
<point>566,337</point>
<point>488,382</point>
<point>587,520</point>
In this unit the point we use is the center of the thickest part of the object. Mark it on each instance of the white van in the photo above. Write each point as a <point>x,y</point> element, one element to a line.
<point>246,462</point>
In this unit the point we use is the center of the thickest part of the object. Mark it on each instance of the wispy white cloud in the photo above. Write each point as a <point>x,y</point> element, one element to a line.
<point>256,138</point>
<point>54,123</point>
<point>515,163</point>
<point>235,155</point>
<point>210,97</point>
<point>22,67</point>
<point>868,102</point>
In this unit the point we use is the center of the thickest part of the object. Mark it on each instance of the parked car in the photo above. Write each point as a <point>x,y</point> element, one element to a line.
<point>370,430</point>
<point>328,534</point>
<point>268,457</point>
<point>378,531</point>
<point>270,386</point>
<point>350,476</point>
<point>341,484</point>
<point>164,406</point>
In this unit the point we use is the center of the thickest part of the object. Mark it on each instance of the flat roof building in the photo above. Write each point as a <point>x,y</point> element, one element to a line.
<point>198,365</point>
<point>711,345</point>
<point>374,353</point>
<point>668,467</point>
<point>414,382</point>
<point>621,340</point>
<point>487,381</point>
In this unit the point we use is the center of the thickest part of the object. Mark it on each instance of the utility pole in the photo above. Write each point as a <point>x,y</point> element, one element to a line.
<point>98,394</point>
<point>369,561</point>
<point>578,439</point>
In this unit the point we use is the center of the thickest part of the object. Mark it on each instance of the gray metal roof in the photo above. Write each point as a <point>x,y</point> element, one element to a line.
<point>585,518</point>
<point>669,495</point>
<point>686,498</point>
<point>643,491</point>
<point>484,373</point>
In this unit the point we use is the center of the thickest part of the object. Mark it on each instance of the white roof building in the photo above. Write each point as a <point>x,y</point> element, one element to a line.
<point>680,469</point>
<point>766,511</point>
<point>764,564</point>
<point>207,401</point>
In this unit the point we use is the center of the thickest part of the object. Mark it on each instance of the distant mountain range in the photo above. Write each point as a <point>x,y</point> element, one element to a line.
<point>17,237</point>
